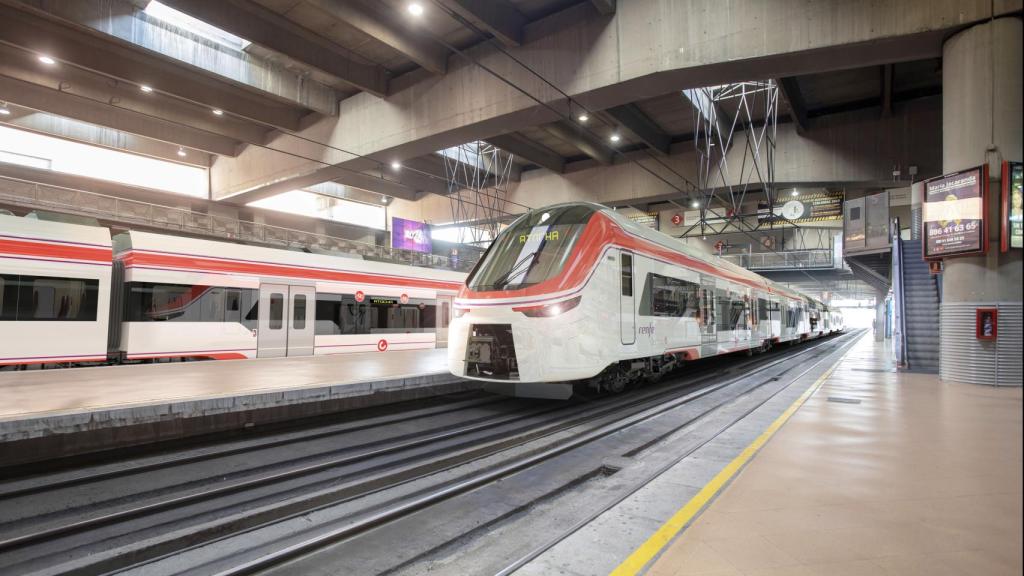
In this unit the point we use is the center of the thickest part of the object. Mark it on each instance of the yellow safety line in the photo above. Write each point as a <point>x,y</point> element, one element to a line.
<point>649,549</point>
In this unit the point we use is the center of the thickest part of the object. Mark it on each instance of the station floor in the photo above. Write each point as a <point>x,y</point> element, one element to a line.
<point>37,392</point>
<point>879,472</point>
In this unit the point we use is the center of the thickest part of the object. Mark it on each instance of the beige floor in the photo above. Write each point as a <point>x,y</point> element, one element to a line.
<point>921,477</point>
<point>34,392</point>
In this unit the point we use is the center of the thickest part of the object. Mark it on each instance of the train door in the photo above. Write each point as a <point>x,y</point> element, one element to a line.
<point>286,321</point>
<point>627,308</point>
<point>444,315</point>
<point>272,337</point>
<point>303,319</point>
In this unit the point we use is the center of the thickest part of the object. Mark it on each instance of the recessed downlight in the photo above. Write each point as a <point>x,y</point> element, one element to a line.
<point>145,88</point>
<point>181,152</point>
<point>583,117</point>
<point>47,60</point>
<point>217,112</point>
<point>415,8</point>
<point>396,165</point>
<point>615,138</point>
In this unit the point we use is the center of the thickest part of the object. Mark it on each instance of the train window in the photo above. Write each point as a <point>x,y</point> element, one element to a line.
<point>627,274</point>
<point>762,309</point>
<point>532,249</point>
<point>738,315</point>
<point>666,296</point>
<point>446,314</point>
<point>233,305</point>
<point>723,303</point>
<point>342,314</point>
<point>47,298</point>
<point>299,312</point>
<point>276,311</point>
<point>250,308</point>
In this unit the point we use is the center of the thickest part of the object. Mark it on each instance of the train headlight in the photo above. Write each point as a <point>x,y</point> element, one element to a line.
<point>549,310</point>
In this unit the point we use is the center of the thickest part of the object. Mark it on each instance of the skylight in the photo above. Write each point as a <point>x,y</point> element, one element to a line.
<point>171,16</point>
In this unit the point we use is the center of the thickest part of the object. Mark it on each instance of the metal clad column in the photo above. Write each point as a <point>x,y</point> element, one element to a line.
<point>981,122</point>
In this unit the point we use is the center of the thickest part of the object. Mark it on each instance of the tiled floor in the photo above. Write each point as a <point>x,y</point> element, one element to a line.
<point>919,478</point>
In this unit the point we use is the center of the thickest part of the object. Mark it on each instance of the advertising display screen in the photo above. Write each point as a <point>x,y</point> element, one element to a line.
<point>953,214</point>
<point>410,235</point>
<point>1013,207</point>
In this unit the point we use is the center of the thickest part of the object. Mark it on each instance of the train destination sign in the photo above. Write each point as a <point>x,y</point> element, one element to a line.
<point>953,214</point>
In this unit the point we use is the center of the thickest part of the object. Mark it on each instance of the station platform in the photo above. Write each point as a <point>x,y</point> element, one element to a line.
<point>46,414</point>
<point>878,472</point>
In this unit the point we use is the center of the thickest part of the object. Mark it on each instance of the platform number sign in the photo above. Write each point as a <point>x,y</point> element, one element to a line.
<point>382,345</point>
<point>677,219</point>
<point>360,296</point>
<point>404,298</point>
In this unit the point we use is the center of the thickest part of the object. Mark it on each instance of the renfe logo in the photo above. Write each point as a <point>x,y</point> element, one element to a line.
<point>648,330</point>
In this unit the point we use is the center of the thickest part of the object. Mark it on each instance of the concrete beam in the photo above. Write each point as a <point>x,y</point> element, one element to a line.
<point>498,17</point>
<point>263,26</point>
<point>519,145</point>
<point>633,119</point>
<point>605,7</point>
<point>42,33</point>
<point>790,90</point>
<point>79,108</point>
<point>603,66</point>
<point>581,139</point>
<point>96,135</point>
<point>377,20</point>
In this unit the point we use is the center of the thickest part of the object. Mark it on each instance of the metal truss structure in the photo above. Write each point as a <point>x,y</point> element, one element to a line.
<point>478,177</point>
<point>742,114</point>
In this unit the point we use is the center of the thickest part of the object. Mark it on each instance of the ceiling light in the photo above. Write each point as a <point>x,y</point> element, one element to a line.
<point>145,88</point>
<point>614,138</point>
<point>396,165</point>
<point>218,112</point>
<point>415,8</point>
<point>4,111</point>
<point>795,193</point>
<point>695,204</point>
<point>47,60</point>
<point>181,152</point>
<point>583,118</point>
<point>384,199</point>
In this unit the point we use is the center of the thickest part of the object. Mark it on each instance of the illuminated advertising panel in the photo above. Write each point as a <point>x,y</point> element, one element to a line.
<point>953,214</point>
<point>1012,233</point>
<point>410,235</point>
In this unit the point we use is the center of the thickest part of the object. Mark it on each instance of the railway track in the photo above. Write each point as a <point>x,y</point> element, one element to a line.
<point>291,501</point>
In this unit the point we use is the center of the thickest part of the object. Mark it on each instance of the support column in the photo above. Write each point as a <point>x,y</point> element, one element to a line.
<point>981,122</point>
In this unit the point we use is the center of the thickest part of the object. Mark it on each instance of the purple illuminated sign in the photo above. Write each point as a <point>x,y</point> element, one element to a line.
<point>410,235</point>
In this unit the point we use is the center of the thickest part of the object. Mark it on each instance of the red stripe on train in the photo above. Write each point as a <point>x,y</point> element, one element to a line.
<point>199,264</point>
<point>60,251</point>
<point>600,233</point>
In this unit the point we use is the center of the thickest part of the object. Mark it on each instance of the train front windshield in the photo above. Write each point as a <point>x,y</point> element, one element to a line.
<point>531,250</point>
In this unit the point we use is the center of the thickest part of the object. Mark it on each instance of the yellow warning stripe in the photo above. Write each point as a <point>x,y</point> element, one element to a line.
<point>649,549</point>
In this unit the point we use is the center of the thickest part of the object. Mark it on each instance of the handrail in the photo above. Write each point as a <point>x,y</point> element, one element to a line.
<point>122,210</point>
<point>899,337</point>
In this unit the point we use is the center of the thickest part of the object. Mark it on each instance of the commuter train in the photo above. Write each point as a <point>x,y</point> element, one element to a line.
<point>579,293</point>
<point>72,295</point>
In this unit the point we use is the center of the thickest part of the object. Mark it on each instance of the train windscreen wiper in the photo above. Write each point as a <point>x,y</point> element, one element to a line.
<point>505,278</point>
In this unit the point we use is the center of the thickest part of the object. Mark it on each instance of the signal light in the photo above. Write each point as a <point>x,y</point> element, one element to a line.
<point>549,310</point>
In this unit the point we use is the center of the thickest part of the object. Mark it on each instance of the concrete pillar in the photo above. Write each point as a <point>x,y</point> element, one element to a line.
<point>981,122</point>
<point>879,324</point>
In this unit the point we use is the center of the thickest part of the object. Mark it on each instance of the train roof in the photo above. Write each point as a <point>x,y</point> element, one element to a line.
<point>36,229</point>
<point>673,243</point>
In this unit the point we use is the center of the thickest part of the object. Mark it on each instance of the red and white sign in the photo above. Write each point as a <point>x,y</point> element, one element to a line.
<point>404,298</point>
<point>360,297</point>
<point>719,246</point>
<point>677,219</point>
<point>382,345</point>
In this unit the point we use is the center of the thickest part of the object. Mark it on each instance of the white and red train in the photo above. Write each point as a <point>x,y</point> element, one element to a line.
<point>578,292</point>
<point>71,295</point>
